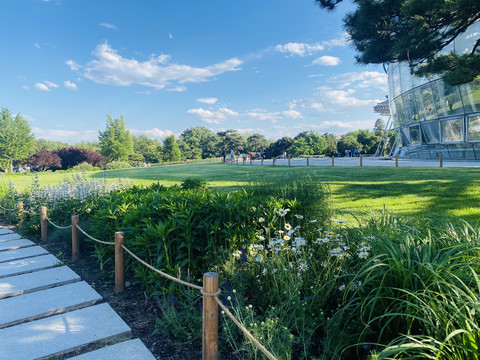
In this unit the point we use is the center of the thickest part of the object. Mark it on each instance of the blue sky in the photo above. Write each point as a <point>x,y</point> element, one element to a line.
<point>274,67</point>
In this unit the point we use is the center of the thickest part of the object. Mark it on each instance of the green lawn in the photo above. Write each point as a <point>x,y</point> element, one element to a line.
<point>439,192</point>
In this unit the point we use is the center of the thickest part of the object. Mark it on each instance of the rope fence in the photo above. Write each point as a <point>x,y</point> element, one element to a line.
<point>209,290</point>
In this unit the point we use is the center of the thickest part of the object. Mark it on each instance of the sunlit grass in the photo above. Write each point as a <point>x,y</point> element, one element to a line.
<point>354,191</point>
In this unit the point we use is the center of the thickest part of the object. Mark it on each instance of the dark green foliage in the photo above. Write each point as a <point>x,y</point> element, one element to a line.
<point>172,228</point>
<point>171,151</point>
<point>116,142</point>
<point>414,31</point>
<point>193,183</point>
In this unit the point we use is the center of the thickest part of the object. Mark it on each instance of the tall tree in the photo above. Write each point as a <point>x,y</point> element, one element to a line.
<point>16,139</point>
<point>42,144</point>
<point>171,151</point>
<point>43,160</point>
<point>116,142</point>
<point>278,147</point>
<point>308,143</point>
<point>231,140</point>
<point>255,141</point>
<point>149,149</point>
<point>198,143</point>
<point>414,31</point>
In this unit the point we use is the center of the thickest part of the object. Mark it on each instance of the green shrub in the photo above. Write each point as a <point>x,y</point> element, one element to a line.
<point>85,166</point>
<point>118,165</point>
<point>193,183</point>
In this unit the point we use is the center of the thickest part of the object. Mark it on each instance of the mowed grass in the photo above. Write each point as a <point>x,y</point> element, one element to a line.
<point>355,192</point>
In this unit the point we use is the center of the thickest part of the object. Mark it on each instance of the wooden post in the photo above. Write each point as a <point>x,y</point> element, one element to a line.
<point>119,262</point>
<point>273,161</point>
<point>43,222</point>
<point>308,161</point>
<point>75,239</point>
<point>441,159</point>
<point>289,161</point>
<point>236,161</point>
<point>20,212</point>
<point>261,163</point>
<point>210,317</point>
<point>333,161</point>
<point>361,160</point>
<point>396,160</point>
<point>243,161</point>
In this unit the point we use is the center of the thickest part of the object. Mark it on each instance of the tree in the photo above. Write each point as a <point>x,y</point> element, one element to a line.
<point>255,141</point>
<point>414,31</point>
<point>379,127</point>
<point>42,144</point>
<point>171,151</point>
<point>308,143</point>
<point>16,138</point>
<point>43,160</point>
<point>231,140</point>
<point>150,150</point>
<point>116,142</point>
<point>278,147</point>
<point>72,156</point>
<point>332,142</point>
<point>198,143</point>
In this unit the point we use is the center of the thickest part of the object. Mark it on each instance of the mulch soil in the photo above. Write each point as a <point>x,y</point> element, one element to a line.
<point>137,309</point>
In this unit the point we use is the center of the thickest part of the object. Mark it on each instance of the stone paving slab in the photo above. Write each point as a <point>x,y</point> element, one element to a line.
<point>22,253</point>
<point>15,244</point>
<point>9,237</point>
<point>126,350</point>
<point>40,304</point>
<point>4,231</point>
<point>60,334</point>
<point>23,266</point>
<point>39,280</point>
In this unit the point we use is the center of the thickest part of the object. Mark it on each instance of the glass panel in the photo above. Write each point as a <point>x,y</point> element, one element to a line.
<point>427,101</point>
<point>405,77</point>
<point>415,134</point>
<point>397,89</point>
<point>452,130</point>
<point>447,99</point>
<point>431,131</point>
<point>405,135</point>
<point>471,96</point>
<point>419,103</point>
<point>414,118</point>
<point>401,116</point>
<point>474,128</point>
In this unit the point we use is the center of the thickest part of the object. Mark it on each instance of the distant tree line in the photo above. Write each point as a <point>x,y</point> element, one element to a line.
<point>116,145</point>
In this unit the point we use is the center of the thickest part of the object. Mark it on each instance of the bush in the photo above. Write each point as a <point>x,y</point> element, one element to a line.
<point>118,165</point>
<point>86,167</point>
<point>193,183</point>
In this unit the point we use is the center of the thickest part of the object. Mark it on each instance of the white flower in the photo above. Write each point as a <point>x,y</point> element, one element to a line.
<point>259,259</point>
<point>283,212</point>
<point>313,221</point>
<point>300,241</point>
<point>363,254</point>
<point>264,271</point>
<point>288,227</point>
<point>260,247</point>
<point>303,267</point>
<point>261,219</point>
<point>261,238</point>
<point>376,261</point>
<point>286,238</point>
<point>341,287</point>
<point>237,254</point>
<point>299,216</point>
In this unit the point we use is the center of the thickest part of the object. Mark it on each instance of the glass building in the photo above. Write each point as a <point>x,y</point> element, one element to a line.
<point>431,117</point>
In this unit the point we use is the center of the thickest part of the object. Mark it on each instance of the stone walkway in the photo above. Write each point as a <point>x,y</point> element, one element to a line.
<point>46,310</point>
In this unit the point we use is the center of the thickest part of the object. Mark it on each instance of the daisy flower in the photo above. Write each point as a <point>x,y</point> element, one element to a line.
<point>303,267</point>
<point>283,212</point>
<point>261,220</point>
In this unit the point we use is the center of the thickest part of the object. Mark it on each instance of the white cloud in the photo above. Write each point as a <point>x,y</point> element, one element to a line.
<point>326,60</point>
<point>341,41</point>
<point>153,133</point>
<point>37,46</point>
<point>170,36</point>
<point>111,68</point>
<point>264,115</point>
<point>51,84</point>
<point>70,85</point>
<point>178,89</point>
<point>212,117</point>
<point>42,87</point>
<point>67,136</point>
<point>108,26</point>
<point>299,49</point>
<point>365,79</point>
<point>209,101</point>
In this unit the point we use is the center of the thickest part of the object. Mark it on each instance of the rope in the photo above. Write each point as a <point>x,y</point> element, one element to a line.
<point>164,274</point>
<point>15,208</point>
<point>245,331</point>
<point>92,238</point>
<point>58,227</point>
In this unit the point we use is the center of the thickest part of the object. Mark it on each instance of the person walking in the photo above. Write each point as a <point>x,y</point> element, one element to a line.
<point>224,154</point>
<point>232,156</point>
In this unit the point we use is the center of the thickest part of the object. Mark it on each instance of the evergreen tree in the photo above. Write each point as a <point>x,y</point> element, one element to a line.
<point>16,139</point>
<point>414,31</point>
<point>116,142</point>
<point>171,150</point>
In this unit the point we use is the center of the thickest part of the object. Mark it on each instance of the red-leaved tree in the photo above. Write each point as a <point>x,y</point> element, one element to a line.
<point>44,160</point>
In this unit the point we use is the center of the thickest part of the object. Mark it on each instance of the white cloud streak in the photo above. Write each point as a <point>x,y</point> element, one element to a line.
<point>111,68</point>
<point>70,85</point>
<point>326,60</point>
<point>209,101</point>
<point>298,49</point>
<point>108,26</point>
